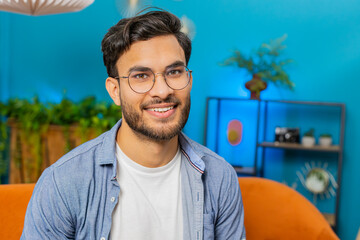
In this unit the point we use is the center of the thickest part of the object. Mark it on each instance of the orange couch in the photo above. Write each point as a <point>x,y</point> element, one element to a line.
<point>14,199</point>
<point>274,211</point>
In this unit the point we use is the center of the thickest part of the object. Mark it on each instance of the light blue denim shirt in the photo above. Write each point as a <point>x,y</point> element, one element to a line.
<point>75,197</point>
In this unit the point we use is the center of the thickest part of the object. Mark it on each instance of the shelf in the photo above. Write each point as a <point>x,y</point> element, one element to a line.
<point>297,146</point>
<point>264,123</point>
<point>245,170</point>
<point>330,218</point>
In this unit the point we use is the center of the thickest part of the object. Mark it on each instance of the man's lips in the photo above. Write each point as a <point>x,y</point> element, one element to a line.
<point>161,110</point>
<point>160,107</point>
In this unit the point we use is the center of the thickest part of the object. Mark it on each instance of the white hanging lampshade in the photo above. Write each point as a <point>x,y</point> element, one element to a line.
<point>43,7</point>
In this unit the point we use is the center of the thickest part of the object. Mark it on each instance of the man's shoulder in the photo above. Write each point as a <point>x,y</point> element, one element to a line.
<point>219,177</point>
<point>86,149</point>
<point>79,164</point>
<point>214,163</point>
<point>75,172</point>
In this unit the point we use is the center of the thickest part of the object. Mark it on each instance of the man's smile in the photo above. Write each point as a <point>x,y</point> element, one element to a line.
<point>163,110</point>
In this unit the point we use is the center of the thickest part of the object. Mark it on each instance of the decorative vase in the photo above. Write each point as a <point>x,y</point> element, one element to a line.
<point>308,141</point>
<point>325,141</point>
<point>255,86</point>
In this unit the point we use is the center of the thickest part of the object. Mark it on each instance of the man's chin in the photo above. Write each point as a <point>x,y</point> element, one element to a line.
<point>153,128</point>
<point>159,134</point>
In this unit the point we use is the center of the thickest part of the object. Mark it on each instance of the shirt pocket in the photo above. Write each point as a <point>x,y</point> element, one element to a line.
<point>208,226</point>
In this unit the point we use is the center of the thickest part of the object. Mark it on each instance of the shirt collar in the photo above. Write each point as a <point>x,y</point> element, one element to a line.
<point>107,153</point>
<point>193,155</point>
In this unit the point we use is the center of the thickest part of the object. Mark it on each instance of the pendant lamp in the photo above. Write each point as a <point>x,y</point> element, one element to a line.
<point>43,7</point>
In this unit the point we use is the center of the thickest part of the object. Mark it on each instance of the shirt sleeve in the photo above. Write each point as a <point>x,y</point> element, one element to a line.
<point>47,215</point>
<point>230,221</point>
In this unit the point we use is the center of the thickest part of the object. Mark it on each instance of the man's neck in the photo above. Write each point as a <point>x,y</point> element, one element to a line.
<point>144,151</point>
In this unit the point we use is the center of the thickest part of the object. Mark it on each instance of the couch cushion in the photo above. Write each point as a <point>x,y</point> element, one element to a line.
<point>14,199</point>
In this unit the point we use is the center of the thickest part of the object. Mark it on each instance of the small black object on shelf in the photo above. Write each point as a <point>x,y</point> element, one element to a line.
<point>287,135</point>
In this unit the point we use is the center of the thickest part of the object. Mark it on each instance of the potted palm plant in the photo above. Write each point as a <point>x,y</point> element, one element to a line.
<point>265,66</point>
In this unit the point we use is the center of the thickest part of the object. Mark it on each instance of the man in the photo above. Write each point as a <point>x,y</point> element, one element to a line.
<point>143,179</point>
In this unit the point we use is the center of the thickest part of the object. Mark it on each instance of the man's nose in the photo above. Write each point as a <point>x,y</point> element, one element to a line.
<point>160,88</point>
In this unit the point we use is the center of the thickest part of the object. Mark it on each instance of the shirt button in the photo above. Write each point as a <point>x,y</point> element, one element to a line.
<point>102,238</point>
<point>112,200</point>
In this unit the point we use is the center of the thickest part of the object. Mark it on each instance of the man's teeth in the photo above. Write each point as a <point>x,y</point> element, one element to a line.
<point>161,109</point>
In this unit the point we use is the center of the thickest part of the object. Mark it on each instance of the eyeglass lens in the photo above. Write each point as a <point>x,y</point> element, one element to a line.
<point>142,81</point>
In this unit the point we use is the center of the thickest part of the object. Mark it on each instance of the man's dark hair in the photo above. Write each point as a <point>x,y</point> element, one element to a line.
<point>143,27</point>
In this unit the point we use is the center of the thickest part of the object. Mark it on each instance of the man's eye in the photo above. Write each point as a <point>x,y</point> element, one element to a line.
<point>174,72</point>
<point>140,76</point>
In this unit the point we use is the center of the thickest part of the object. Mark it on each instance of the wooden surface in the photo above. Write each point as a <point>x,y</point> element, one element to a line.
<point>297,146</point>
<point>245,170</point>
<point>330,218</point>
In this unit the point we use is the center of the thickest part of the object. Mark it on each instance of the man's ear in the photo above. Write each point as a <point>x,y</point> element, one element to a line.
<point>113,88</point>
<point>191,81</point>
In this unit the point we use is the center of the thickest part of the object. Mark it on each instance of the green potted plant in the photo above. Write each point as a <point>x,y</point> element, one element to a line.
<point>40,133</point>
<point>325,140</point>
<point>308,140</point>
<point>265,65</point>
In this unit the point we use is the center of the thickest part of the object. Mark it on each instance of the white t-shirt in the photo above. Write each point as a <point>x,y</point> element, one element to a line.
<point>149,205</point>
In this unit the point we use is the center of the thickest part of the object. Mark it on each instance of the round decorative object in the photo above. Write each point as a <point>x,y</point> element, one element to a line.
<point>317,180</point>
<point>308,141</point>
<point>234,132</point>
<point>43,7</point>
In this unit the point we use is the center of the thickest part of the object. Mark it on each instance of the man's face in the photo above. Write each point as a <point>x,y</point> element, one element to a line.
<point>161,113</point>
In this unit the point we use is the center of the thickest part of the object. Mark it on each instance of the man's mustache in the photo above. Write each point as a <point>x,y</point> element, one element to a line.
<point>169,99</point>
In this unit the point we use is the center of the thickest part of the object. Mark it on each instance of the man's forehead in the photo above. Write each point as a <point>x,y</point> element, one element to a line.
<point>162,50</point>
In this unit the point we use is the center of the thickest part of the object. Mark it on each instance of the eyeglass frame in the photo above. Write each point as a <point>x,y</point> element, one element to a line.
<point>162,73</point>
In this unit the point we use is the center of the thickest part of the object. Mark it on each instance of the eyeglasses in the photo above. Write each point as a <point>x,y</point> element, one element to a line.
<point>143,80</point>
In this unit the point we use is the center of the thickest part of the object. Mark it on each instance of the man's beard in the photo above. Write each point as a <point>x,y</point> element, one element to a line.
<point>136,123</point>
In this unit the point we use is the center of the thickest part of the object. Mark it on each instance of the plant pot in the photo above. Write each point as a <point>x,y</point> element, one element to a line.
<point>255,86</point>
<point>308,141</point>
<point>325,141</point>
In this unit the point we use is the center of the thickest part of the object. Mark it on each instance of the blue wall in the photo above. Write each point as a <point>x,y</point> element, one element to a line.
<point>45,55</point>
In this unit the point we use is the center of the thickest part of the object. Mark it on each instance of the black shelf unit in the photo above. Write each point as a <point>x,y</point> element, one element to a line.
<point>262,118</point>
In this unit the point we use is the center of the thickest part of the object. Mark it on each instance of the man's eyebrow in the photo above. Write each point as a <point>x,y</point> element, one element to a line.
<point>139,68</point>
<point>143,68</point>
<point>176,64</point>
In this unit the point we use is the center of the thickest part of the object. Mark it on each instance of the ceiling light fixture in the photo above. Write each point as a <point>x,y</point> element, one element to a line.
<point>43,7</point>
